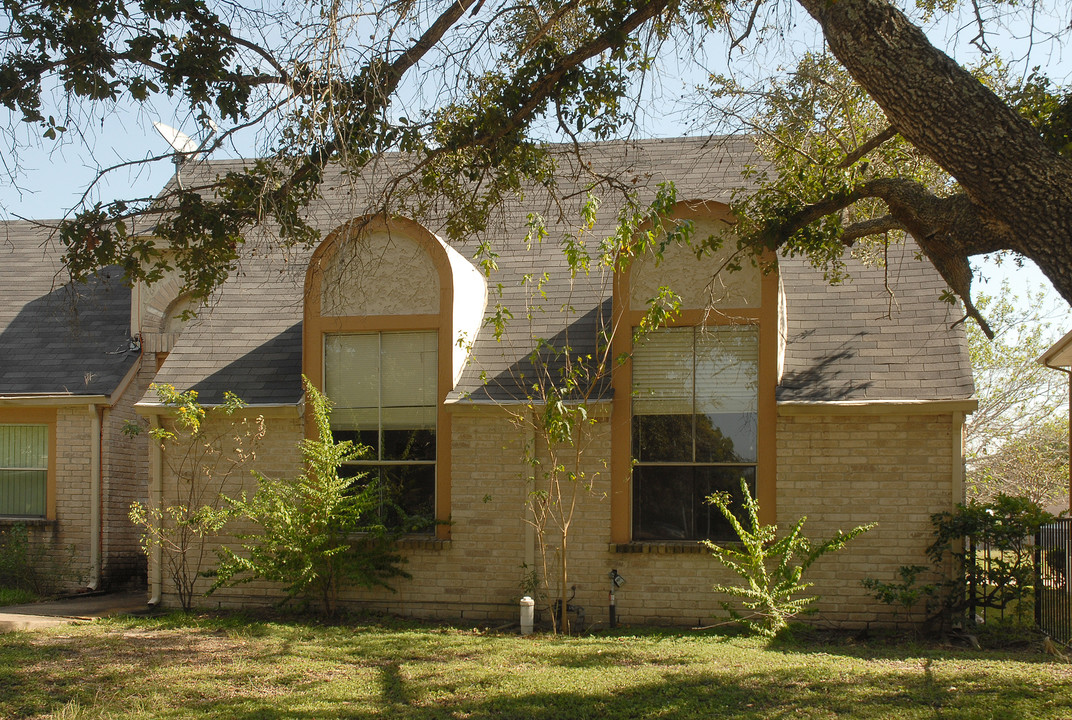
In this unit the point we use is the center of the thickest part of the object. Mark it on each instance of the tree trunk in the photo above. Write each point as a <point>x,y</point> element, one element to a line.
<point>1019,188</point>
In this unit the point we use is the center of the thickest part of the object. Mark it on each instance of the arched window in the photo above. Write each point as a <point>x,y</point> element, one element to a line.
<point>694,406</point>
<point>385,302</point>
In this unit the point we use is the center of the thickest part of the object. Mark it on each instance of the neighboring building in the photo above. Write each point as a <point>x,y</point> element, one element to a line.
<point>69,377</point>
<point>843,402</point>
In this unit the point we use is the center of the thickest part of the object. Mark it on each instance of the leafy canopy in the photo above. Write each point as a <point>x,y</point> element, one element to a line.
<point>470,92</point>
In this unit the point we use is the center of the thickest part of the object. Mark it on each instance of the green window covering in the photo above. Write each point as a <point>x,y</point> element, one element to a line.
<point>23,470</point>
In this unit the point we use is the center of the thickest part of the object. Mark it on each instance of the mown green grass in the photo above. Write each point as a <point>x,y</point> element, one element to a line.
<point>209,667</point>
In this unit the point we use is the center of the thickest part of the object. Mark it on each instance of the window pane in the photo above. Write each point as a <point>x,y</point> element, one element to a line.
<point>662,438</point>
<point>22,492</point>
<point>409,490</point>
<point>408,363</point>
<point>727,370</point>
<point>23,469</point>
<point>710,523</point>
<point>662,373</point>
<point>351,370</point>
<point>369,439</point>
<point>669,502</point>
<point>24,446</point>
<point>726,438</point>
<point>391,406</point>
<point>413,444</point>
<point>663,503</point>
<point>406,493</point>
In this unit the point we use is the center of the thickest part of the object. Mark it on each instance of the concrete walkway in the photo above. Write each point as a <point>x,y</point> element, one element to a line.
<point>69,610</point>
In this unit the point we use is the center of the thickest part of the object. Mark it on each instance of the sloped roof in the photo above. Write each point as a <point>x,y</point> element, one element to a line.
<point>846,342</point>
<point>56,336</point>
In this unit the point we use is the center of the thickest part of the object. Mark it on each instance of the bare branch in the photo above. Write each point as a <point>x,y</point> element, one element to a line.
<point>887,134</point>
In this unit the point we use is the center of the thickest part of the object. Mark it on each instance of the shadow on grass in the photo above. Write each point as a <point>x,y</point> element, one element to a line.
<point>219,669</point>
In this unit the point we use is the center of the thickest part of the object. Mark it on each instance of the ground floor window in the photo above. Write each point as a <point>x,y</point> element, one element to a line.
<point>383,388</point>
<point>23,470</point>
<point>694,428</point>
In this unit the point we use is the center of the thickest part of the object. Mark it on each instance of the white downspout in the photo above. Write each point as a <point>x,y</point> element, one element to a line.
<point>530,528</point>
<point>958,460</point>
<point>94,498</point>
<point>156,492</point>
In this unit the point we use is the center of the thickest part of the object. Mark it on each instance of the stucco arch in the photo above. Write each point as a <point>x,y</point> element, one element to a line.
<point>435,288</point>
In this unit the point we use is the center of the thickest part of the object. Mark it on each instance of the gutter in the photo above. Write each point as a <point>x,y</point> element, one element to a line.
<point>155,409</point>
<point>52,400</point>
<point>877,407</point>
<point>95,497</point>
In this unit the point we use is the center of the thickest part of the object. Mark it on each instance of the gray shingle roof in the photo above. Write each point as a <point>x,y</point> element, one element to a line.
<point>883,335</point>
<point>846,342</point>
<point>55,336</point>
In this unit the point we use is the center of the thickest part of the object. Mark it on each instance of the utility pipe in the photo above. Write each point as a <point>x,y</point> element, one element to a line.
<point>156,499</point>
<point>95,500</point>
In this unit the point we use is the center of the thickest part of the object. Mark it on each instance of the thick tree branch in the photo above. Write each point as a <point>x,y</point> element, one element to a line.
<point>948,229</point>
<point>1015,187</point>
<point>866,228</point>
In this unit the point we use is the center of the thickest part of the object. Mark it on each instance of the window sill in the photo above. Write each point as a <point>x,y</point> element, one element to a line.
<point>8,520</point>
<point>687,547</point>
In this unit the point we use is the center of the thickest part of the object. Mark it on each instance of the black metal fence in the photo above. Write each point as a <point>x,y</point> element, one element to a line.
<point>1053,594</point>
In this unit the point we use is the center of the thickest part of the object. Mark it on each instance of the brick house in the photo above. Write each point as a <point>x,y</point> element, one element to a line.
<point>841,402</point>
<point>69,378</point>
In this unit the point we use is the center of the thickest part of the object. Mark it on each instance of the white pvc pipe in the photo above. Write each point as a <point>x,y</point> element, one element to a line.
<point>156,499</point>
<point>94,498</point>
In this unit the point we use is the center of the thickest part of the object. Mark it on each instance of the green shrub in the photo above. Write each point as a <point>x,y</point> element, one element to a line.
<point>992,550</point>
<point>33,567</point>
<point>772,568</point>
<point>316,534</point>
<point>203,454</point>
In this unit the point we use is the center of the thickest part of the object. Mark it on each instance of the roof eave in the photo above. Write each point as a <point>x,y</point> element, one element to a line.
<point>52,400</point>
<point>1060,353</point>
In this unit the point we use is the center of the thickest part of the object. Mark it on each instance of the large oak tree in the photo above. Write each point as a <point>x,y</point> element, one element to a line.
<point>471,89</point>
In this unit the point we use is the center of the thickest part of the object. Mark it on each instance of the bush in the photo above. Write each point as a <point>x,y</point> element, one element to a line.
<point>202,455</point>
<point>31,567</point>
<point>317,534</point>
<point>992,549</point>
<point>772,568</point>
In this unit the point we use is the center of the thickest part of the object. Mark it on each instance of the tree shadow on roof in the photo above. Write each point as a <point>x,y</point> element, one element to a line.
<point>269,374</point>
<point>73,339</point>
<point>826,378</point>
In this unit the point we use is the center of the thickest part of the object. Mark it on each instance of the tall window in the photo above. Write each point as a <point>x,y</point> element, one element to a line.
<point>23,470</point>
<point>694,428</point>
<point>383,387</point>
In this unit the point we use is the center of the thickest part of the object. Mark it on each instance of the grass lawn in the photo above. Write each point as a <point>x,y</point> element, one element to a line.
<point>15,596</point>
<point>225,667</point>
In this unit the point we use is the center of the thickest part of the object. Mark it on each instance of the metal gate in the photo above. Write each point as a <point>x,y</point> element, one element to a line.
<point>1053,567</point>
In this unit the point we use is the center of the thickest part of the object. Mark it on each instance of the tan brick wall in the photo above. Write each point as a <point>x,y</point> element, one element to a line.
<point>840,471</point>
<point>67,539</point>
<point>124,479</point>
